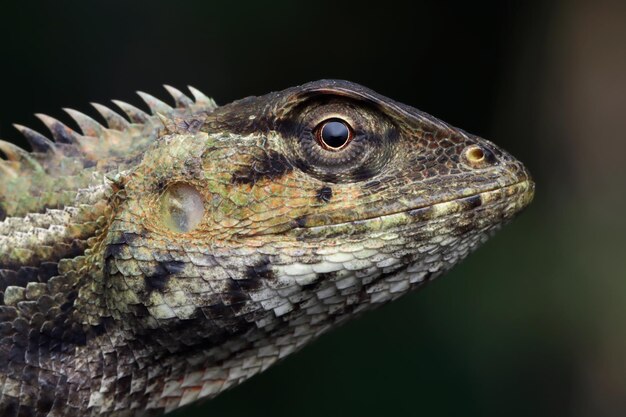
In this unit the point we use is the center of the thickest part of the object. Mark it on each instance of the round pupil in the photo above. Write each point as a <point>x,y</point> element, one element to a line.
<point>335,134</point>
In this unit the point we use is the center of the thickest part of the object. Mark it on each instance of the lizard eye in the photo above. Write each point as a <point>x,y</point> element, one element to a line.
<point>182,208</point>
<point>333,134</point>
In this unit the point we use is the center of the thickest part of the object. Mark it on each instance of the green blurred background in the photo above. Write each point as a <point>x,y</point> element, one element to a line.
<point>534,323</point>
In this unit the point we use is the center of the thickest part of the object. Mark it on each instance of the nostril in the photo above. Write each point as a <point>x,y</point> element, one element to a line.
<point>478,156</point>
<point>475,154</point>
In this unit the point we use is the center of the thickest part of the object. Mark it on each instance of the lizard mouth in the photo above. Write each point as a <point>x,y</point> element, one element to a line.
<point>512,198</point>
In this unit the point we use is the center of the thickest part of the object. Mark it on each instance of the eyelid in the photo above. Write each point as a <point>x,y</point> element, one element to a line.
<point>334,115</point>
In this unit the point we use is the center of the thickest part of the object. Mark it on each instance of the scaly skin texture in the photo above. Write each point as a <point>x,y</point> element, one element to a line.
<point>153,262</point>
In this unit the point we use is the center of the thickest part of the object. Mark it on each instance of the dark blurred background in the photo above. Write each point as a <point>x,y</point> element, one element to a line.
<point>534,323</point>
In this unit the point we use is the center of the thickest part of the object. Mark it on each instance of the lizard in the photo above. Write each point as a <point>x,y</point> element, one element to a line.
<point>154,260</point>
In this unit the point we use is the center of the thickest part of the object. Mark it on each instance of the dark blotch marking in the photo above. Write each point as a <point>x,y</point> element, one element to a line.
<point>56,331</point>
<point>162,273</point>
<point>300,221</point>
<point>472,202</point>
<point>9,406</point>
<point>130,237</point>
<point>125,238</point>
<point>7,278</point>
<point>324,194</point>
<point>217,311</point>
<point>217,324</point>
<point>324,174</point>
<point>262,270</point>
<point>120,242</point>
<point>371,184</point>
<point>22,276</point>
<point>173,267</point>
<point>160,185</point>
<point>3,213</point>
<point>158,281</point>
<point>9,265</point>
<point>73,336</point>
<point>45,401</point>
<point>88,163</point>
<point>27,274</point>
<point>236,294</point>
<point>114,250</point>
<point>407,259</point>
<point>245,284</point>
<point>271,165</point>
<point>423,213</point>
<point>321,279</point>
<point>303,165</point>
<point>48,270</point>
<point>363,173</point>
<point>123,384</point>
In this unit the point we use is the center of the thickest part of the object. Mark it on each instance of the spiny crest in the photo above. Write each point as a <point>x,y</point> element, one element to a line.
<point>55,166</point>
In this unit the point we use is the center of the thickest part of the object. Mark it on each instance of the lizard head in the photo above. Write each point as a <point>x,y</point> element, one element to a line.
<point>167,257</point>
<point>308,204</point>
